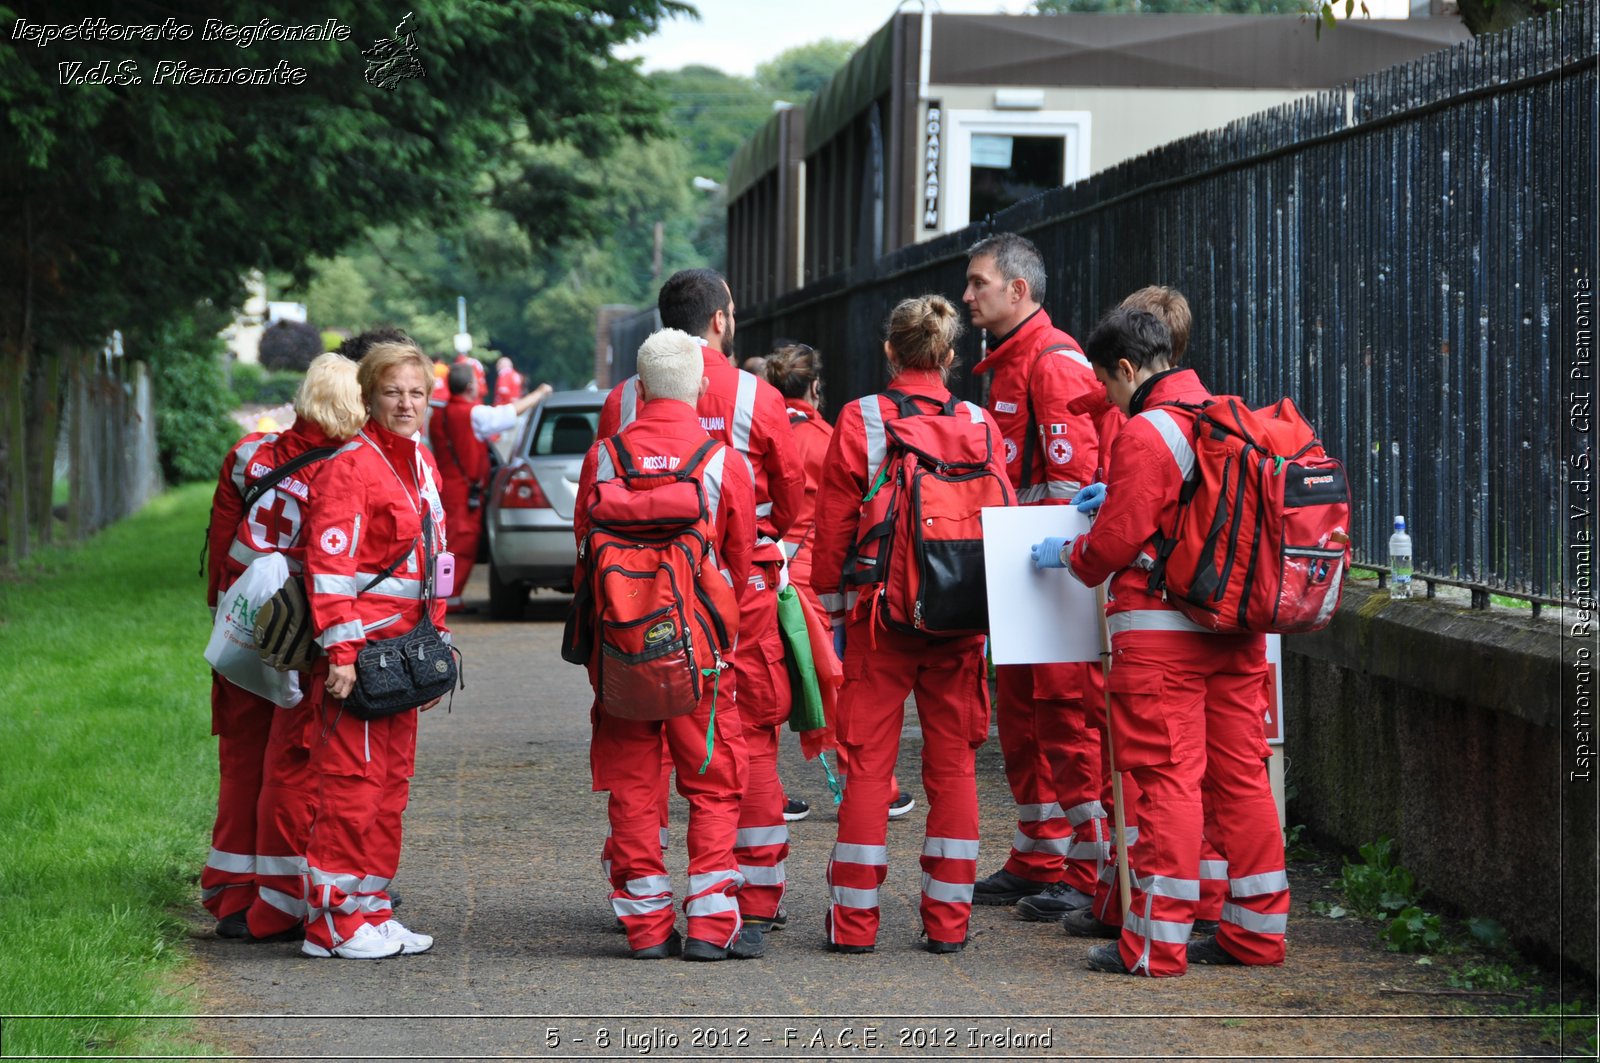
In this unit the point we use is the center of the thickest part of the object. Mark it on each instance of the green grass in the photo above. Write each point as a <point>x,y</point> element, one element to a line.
<point>109,783</point>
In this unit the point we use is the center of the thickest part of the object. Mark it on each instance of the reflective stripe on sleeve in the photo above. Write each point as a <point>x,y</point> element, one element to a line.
<point>1049,489</point>
<point>630,401</point>
<point>1175,438</point>
<point>391,586</point>
<point>877,441</point>
<point>347,632</point>
<point>764,509</point>
<point>603,469</point>
<point>974,411</point>
<point>345,586</point>
<point>712,481</point>
<point>744,413</point>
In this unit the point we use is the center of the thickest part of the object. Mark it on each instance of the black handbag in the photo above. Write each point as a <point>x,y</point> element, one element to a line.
<point>401,673</point>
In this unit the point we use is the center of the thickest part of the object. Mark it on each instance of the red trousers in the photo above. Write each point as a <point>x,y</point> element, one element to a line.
<point>1053,763</point>
<point>762,844</point>
<point>952,694</point>
<point>1187,721</point>
<point>362,771</point>
<point>463,527</point>
<point>625,759</point>
<point>284,813</point>
<point>241,721</point>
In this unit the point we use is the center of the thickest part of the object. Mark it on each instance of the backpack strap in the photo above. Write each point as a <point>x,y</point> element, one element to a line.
<point>907,404</point>
<point>283,472</point>
<point>1028,441</point>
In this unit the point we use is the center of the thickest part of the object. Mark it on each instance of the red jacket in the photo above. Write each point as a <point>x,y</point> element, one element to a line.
<point>462,457</point>
<point>372,500</point>
<point>749,415</point>
<point>812,434</point>
<point>507,387</point>
<point>478,374</point>
<point>854,457</point>
<point>667,428</point>
<point>1065,444</point>
<point>276,522</point>
<point>1153,453</point>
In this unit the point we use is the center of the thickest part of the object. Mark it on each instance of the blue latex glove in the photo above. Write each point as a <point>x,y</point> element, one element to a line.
<point>1048,553</point>
<point>1090,498</point>
<point>838,641</point>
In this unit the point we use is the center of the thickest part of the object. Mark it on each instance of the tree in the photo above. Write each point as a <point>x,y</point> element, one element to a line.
<point>290,345</point>
<point>796,74</point>
<point>123,204</point>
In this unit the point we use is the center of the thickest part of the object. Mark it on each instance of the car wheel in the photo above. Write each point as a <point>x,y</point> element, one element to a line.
<point>507,601</point>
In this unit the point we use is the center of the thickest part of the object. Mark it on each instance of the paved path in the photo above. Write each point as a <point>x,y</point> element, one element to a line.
<point>501,865</point>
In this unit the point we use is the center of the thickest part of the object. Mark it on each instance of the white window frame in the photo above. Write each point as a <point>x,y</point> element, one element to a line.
<point>960,126</point>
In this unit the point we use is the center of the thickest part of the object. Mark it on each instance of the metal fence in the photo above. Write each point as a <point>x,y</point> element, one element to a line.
<point>1403,256</point>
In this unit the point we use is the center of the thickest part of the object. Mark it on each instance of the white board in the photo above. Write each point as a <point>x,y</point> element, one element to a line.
<point>1036,616</point>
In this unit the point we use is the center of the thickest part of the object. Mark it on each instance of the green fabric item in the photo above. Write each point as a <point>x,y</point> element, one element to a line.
<point>715,675</point>
<point>806,713</point>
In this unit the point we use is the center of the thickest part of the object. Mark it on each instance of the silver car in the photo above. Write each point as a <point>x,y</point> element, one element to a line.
<point>531,498</point>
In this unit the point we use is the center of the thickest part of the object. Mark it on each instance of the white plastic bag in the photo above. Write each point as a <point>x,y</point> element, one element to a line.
<point>232,650</point>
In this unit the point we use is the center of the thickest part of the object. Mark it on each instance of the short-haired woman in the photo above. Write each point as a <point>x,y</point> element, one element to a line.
<point>382,515</point>
<point>947,676</point>
<point>251,880</point>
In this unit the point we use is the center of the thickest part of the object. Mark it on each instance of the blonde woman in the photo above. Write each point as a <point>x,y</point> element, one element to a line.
<point>382,518</point>
<point>251,880</point>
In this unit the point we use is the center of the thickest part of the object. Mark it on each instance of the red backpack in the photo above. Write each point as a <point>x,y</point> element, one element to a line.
<point>918,559</point>
<point>655,601</point>
<point>1262,540</point>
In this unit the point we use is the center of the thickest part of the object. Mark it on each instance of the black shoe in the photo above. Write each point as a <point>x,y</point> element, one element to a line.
<point>1209,950</point>
<point>1003,887</point>
<point>1202,928</point>
<point>293,933</point>
<point>944,948</point>
<point>1107,959</point>
<point>902,803</point>
<point>234,926</point>
<point>751,944</point>
<point>1081,923</point>
<point>851,950</point>
<point>394,899</point>
<point>670,947</point>
<point>703,951</point>
<point>768,925</point>
<point>796,809</point>
<point>1057,900</point>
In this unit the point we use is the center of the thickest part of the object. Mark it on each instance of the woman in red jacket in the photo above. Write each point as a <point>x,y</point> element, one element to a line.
<point>882,666</point>
<point>251,879</point>
<point>796,371</point>
<point>381,517</point>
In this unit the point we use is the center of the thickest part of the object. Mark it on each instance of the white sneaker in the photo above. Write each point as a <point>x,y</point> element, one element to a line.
<point>365,944</point>
<point>410,941</point>
<point>902,803</point>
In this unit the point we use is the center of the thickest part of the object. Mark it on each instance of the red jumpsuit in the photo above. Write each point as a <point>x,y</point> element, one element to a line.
<point>1187,713</point>
<point>374,500</point>
<point>748,414</point>
<point>624,754</point>
<point>508,387</point>
<point>881,667</point>
<point>264,800</point>
<point>463,461</point>
<point>1046,711</point>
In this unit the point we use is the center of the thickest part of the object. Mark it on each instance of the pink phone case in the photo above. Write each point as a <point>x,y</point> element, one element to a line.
<point>444,575</point>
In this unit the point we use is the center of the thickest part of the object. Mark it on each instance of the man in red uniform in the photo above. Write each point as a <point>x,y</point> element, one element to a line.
<point>1052,753</point>
<point>508,383</point>
<point>1186,701</point>
<point>749,415</point>
<point>463,461</point>
<point>624,754</point>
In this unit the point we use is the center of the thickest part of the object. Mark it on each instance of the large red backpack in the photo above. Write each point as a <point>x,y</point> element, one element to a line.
<point>656,614</point>
<point>918,558</point>
<point>1262,539</point>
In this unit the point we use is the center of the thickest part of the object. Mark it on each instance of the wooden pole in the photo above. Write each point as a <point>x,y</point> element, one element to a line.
<point>1119,815</point>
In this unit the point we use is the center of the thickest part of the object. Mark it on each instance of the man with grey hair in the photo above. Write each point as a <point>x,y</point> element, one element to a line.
<point>1045,712</point>
<point>661,447</point>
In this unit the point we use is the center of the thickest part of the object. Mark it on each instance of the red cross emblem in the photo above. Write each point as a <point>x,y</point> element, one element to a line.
<point>1060,451</point>
<point>278,523</point>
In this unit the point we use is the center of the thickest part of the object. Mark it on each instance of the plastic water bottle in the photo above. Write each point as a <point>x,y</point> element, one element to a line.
<point>1400,560</point>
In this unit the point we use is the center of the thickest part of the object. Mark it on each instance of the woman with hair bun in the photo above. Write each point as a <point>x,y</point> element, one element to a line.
<point>947,676</point>
<point>796,371</point>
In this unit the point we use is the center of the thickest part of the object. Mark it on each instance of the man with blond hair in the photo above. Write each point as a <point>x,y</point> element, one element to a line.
<point>706,746</point>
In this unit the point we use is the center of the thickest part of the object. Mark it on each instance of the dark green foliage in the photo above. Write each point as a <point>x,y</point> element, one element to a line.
<point>193,429</point>
<point>796,74</point>
<point>1380,886</point>
<point>254,386</point>
<point>1414,930</point>
<point>290,346</point>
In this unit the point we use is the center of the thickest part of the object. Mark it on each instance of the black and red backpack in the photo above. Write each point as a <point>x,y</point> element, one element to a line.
<point>917,563</point>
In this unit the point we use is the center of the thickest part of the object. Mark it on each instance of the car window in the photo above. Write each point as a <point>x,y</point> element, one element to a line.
<point>567,431</point>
